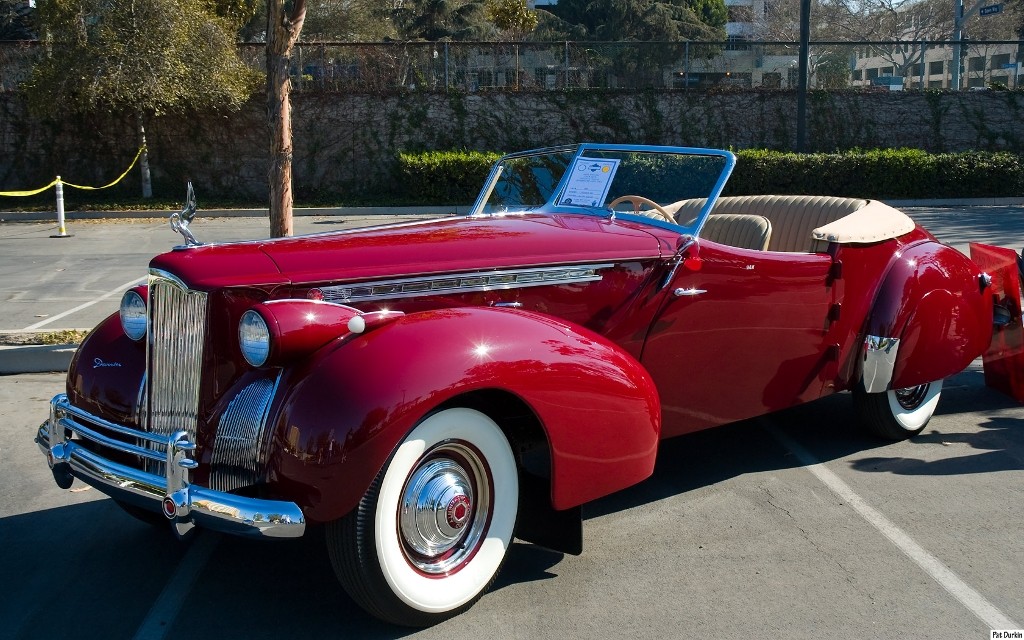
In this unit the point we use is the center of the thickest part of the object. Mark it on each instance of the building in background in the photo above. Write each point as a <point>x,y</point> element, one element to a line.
<point>929,66</point>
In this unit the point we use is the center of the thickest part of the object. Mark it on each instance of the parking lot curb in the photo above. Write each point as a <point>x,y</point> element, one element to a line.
<point>445,210</point>
<point>36,358</point>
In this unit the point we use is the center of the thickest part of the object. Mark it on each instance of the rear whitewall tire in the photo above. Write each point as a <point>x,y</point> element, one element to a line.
<point>898,414</point>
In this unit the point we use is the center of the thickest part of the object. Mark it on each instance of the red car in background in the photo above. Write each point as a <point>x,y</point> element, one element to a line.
<point>430,390</point>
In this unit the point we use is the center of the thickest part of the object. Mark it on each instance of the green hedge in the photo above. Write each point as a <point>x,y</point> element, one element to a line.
<point>444,177</point>
<point>455,177</point>
<point>879,173</point>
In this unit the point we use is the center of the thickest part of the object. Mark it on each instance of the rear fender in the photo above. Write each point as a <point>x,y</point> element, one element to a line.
<point>349,408</point>
<point>1004,359</point>
<point>931,318</point>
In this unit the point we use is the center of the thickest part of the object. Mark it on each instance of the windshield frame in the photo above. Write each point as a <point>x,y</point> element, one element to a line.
<point>580,150</point>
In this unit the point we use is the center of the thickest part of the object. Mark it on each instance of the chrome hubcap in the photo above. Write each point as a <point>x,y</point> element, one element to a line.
<point>445,508</point>
<point>912,397</point>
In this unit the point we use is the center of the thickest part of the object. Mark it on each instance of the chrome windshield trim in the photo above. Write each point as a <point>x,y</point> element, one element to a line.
<point>455,283</point>
<point>583,148</point>
<point>495,173</point>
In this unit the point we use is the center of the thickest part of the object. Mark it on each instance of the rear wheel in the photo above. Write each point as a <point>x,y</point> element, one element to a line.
<point>900,413</point>
<point>431,532</point>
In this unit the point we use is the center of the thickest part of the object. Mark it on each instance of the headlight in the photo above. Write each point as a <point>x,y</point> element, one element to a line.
<point>133,314</point>
<point>254,338</point>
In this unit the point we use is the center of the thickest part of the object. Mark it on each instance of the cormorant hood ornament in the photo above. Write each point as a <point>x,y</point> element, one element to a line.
<point>181,219</point>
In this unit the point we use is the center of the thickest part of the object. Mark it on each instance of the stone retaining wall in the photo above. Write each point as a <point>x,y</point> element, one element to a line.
<point>346,143</point>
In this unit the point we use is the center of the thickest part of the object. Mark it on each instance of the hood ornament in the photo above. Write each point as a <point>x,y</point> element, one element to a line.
<point>181,219</point>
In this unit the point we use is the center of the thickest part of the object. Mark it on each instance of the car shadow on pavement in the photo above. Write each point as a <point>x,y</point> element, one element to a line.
<point>88,568</point>
<point>95,565</point>
<point>829,430</point>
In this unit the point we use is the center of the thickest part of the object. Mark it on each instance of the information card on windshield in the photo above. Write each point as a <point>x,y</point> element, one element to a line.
<point>589,181</point>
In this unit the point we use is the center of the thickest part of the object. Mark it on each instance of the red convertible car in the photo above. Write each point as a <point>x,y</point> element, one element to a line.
<point>429,390</point>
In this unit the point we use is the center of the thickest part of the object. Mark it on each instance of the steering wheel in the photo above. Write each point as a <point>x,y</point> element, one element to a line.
<point>639,200</point>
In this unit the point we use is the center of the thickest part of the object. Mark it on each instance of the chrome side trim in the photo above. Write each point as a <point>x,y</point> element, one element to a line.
<point>193,505</point>
<point>463,283</point>
<point>240,448</point>
<point>879,362</point>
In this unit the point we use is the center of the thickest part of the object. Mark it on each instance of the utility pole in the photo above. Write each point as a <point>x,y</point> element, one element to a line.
<point>959,18</point>
<point>958,36</point>
<point>801,90</point>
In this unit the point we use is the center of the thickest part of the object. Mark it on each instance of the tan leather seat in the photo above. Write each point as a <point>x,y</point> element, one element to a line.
<point>792,217</point>
<point>738,230</point>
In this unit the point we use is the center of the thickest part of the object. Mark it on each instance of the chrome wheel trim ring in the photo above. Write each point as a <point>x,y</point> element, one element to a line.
<point>445,508</point>
<point>911,398</point>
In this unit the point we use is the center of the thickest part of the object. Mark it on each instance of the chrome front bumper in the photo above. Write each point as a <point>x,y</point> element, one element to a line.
<point>185,505</point>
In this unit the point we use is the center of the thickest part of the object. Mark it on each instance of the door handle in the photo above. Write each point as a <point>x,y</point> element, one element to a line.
<point>692,291</point>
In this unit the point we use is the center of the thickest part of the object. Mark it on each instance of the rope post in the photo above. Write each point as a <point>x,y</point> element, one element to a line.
<point>61,231</point>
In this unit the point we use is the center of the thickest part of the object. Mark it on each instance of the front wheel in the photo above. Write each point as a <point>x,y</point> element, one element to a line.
<point>900,413</point>
<point>432,530</point>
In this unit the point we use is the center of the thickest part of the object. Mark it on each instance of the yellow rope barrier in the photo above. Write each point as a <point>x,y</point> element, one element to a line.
<point>27,193</point>
<point>76,186</point>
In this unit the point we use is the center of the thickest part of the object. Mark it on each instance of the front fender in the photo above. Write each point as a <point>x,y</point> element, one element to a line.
<point>933,302</point>
<point>349,408</point>
<point>106,372</point>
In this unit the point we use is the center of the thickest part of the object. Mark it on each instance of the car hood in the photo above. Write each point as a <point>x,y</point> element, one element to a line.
<point>439,246</point>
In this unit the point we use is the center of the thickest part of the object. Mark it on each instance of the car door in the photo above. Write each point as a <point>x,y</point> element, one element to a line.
<point>742,333</point>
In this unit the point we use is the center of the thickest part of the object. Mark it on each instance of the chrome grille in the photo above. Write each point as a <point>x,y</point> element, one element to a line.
<point>177,330</point>
<point>239,451</point>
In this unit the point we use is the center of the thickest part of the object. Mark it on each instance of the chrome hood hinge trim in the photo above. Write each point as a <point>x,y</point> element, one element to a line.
<point>463,283</point>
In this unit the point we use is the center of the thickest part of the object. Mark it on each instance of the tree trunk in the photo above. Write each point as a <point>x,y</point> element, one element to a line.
<point>282,32</point>
<point>147,183</point>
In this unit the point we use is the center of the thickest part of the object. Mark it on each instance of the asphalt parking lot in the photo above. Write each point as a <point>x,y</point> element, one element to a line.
<point>796,525</point>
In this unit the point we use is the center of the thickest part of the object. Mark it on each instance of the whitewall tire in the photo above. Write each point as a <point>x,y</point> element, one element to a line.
<point>899,413</point>
<point>432,531</point>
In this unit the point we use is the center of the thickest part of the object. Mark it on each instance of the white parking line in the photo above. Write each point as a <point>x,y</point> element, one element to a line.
<point>43,323</point>
<point>157,623</point>
<point>974,601</point>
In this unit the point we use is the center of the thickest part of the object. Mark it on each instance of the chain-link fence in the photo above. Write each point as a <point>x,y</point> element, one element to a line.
<point>540,66</point>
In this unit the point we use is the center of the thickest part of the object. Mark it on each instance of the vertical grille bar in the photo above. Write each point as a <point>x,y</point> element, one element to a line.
<point>177,331</point>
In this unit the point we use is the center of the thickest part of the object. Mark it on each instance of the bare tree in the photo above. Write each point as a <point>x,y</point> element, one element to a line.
<point>893,20</point>
<point>283,29</point>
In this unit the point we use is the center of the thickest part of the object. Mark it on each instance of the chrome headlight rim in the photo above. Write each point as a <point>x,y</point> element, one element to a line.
<point>134,320</point>
<point>254,338</point>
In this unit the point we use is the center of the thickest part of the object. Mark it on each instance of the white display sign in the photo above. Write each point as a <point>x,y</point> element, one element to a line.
<point>589,181</point>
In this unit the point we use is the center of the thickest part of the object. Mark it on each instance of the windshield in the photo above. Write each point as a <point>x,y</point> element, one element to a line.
<point>670,185</point>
